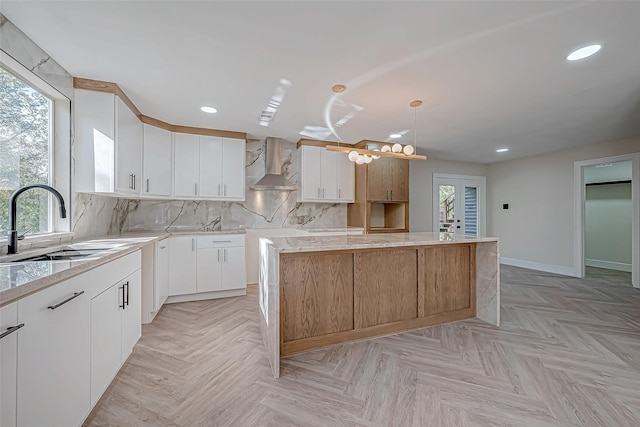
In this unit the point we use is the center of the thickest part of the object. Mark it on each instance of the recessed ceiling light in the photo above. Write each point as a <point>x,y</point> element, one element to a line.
<point>395,135</point>
<point>209,110</point>
<point>502,150</point>
<point>583,52</point>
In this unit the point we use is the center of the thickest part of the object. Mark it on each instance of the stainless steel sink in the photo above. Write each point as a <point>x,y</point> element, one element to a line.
<point>63,255</point>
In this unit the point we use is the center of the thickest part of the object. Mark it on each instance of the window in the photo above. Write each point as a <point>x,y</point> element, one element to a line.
<point>25,153</point>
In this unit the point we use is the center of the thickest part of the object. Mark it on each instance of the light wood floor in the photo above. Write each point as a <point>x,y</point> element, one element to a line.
<point>567,354</point>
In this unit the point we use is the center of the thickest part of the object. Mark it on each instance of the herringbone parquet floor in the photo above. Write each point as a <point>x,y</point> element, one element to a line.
<point>567,354</point>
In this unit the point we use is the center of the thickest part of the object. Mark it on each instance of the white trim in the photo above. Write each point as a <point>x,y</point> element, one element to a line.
<point>549,268</point>
<point>579,196</point>
<point>60,137</point>
<point>610,265</point>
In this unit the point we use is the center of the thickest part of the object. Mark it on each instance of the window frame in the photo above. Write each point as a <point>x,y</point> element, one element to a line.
<point>59,145</point>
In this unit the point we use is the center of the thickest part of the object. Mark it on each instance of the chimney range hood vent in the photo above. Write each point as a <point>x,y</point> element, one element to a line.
<point>273,179</point>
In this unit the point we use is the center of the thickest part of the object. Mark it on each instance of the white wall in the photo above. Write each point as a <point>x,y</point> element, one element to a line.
<point>539,225</point>
<point>421,187</point>
<point>608,210</point>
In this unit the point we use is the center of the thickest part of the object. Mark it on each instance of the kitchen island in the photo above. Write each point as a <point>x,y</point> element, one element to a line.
<point>318,291</point>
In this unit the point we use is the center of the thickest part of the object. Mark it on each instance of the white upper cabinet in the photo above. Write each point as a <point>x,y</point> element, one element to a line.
<point>208,167</point>
<point>128,150</point>
<point>233,168</point>
<point>325,176</point>
<point>186,155</point>
<point>157,162</point>
<point>107,146</point>
<point>94,142</point>
<point>345,178</point>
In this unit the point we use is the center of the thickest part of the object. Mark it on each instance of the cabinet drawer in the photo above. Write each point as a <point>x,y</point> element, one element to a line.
<point>220,240</point>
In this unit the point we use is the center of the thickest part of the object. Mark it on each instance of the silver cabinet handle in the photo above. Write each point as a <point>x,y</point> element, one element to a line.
<point>339,193</point>
<point>130,181</point>
<point>225,189</point>
<point>147,185</point>
<point>218,189</point>
<point>195,189</point>
<point>193,244</point>
<point>318,192</point>
<point>323,193</point>
<point>74,296</point>
<point>127,285</point>
<point>11,330</point>
<point>218,255</point>
<point>225,255</point>
<point>391,194</point>
<point>163,247</point>
<point>221,241</point>
<point>134,181</point>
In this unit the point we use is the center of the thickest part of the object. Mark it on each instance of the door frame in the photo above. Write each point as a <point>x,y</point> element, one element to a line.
<point>482,194</point>
<point>579,198</point>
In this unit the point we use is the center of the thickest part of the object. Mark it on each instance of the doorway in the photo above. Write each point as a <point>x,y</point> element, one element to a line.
<point>459,204</point>
<point>607,226</point>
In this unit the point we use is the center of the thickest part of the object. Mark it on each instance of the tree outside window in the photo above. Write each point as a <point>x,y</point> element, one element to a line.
<point>25,136</point>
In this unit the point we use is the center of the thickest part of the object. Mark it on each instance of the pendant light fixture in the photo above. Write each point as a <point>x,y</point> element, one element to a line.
<point>407,152</point>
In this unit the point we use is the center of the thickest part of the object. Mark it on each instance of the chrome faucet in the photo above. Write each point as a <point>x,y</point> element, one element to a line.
<point>13,201</point>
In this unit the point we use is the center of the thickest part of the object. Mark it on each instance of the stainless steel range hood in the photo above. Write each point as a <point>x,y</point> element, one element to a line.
<point>273,179</point>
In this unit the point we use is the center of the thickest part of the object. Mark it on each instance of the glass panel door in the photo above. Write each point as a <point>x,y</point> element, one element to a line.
<point>470,211</point>
<point>447,209</point>
<point>459,206</point>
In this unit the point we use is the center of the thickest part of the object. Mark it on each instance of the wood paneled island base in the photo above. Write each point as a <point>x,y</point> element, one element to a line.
<point>348,288</point>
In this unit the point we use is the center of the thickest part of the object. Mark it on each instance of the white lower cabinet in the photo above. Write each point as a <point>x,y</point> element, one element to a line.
<point>61,347</point>
<point>162,273</point>
<point>207,263</point>
<point>53,382</point>
<point>9,330</point>
<point>115,329</point>
<point>182,265</point>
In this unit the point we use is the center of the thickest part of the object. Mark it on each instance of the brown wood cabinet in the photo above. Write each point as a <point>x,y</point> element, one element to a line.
<point>387,180</point>
<point>381,203</point>
<point>332,297</point>
<point>385,287</point>
<point>316,295</point>
<point>446,279</point>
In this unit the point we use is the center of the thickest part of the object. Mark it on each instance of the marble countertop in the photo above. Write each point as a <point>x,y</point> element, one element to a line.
<point>21,278</point>
<point>368,241</point>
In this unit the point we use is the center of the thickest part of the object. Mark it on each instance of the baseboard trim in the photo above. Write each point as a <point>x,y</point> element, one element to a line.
<point>549,268</point>
<point>206,295</point>
<point>610,265</point>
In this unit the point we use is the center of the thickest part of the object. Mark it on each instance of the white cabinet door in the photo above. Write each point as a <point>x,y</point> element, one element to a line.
<point>233,170</point>
<point>234,274</point>
<point>209,269</point>
<point>106,338</point>
<point>94,144</point>
<point>329,174</point>
<point>157,162</point>
<point>186,164</point>
<point>128,150</point>
<point>55,352</point>
<point>346,178</point>
<point>182,265</point>
<point>131,313</point>
<point>162,273</point>
<point>9,330</point>
<point>211,166</point>
<point>310,173</point>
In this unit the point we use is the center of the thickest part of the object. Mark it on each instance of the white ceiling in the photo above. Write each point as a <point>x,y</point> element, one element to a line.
<point>491,74</point>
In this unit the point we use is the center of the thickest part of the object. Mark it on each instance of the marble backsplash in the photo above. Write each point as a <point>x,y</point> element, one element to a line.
<point>98,215</point>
